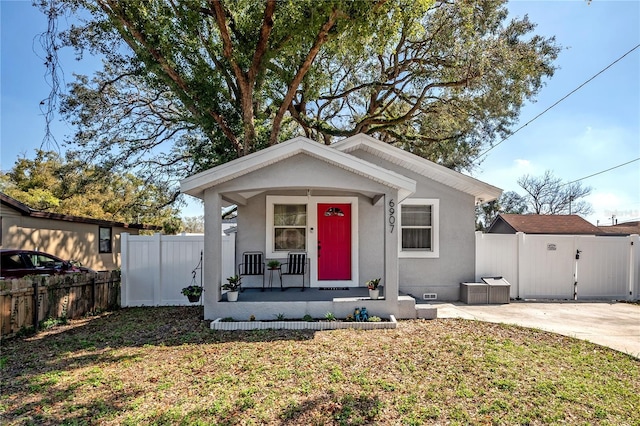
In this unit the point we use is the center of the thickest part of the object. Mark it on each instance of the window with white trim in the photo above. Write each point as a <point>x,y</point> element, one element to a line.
<point>286,225</point>
<point>419,233</point>
<point>289,227</point>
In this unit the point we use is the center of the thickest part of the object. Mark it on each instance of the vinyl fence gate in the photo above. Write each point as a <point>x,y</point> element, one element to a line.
<point>570,267</point>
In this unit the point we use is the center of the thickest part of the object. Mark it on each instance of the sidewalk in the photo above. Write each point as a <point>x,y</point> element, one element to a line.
<point>611,324</point>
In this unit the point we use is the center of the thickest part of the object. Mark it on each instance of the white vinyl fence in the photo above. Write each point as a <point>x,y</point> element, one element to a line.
<point>155,268</point>
<point>562,266</point>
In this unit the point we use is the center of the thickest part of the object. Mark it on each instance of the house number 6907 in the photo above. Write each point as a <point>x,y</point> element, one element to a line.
<point>392,217</point>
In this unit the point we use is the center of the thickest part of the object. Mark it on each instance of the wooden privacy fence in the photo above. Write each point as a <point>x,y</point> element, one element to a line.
<point>27,301</point>
<point>571,267</point>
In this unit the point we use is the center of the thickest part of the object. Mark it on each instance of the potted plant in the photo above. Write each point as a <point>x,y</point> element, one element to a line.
<point>193,292</point>
<point>372,285</point>
<point>273,264</point>
<point>232,286</point>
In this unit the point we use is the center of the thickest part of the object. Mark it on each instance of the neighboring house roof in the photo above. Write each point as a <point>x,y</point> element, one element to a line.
<point>483,192</point>
<point>543,224</point>
<point>339,155</point>
<point>25,210</point>
<point>626,228</point>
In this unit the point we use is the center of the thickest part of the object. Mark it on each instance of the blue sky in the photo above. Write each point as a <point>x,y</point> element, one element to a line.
<point>596,128</point>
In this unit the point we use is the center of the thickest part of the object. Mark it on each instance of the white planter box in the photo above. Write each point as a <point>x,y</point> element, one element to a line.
<point>218,324</point>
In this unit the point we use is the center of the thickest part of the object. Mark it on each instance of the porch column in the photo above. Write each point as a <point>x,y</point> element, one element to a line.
<point>212,256</point>
<point>391,231</point>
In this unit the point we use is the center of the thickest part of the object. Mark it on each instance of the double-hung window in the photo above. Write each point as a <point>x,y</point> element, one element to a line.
<point>104,243</point>
<point>419,220</point>
<point>286,225</point>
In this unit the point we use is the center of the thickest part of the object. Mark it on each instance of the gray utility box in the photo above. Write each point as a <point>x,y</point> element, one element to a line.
<point>474,293</point>
<point>499,289</point>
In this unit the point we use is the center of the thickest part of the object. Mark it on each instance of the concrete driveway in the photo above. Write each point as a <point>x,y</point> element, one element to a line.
<point>615,325</point>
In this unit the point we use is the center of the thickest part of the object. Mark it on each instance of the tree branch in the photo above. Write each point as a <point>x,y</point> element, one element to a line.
<point>113,9</point>
<point>321,38</point>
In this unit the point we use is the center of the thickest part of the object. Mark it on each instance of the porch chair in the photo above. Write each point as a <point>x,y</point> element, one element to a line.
<point>296,264</point>
<point>252,264</point>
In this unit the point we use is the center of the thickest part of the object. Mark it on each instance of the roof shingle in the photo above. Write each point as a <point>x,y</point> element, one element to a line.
<point>626,228</point>
<point>547,224</point>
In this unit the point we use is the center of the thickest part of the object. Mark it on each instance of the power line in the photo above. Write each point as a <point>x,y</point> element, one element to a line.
<point>604,171</point>
<point>562,99</point>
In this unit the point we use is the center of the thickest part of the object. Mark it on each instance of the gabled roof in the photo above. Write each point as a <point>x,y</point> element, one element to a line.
<point>545,224</point>
<point>25,210</point>
<point>627,228</point>
<point>483,192</point>
<point>195,185</point>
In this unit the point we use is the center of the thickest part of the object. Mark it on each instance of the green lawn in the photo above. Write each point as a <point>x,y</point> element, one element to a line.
<point>164,366</point>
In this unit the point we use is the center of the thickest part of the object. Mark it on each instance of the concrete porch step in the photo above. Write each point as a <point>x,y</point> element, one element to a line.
<point>424,311</point>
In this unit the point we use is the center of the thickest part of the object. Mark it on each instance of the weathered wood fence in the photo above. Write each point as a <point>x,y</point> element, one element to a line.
<point>25,302</point>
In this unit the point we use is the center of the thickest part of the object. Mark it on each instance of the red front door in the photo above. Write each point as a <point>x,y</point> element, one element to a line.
<point>334,242</point>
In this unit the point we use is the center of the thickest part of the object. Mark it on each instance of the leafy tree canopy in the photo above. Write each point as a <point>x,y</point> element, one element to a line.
<point>188,84</point>
<point>509,202</point>
<point>51,183</point>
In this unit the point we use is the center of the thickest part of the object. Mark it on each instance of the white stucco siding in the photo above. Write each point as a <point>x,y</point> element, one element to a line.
<point>312,180</point>
<point>456,260</point>
<point>273,157</point>
<point>371,237</point>
<point>302,172</point>
<point>370,234</point>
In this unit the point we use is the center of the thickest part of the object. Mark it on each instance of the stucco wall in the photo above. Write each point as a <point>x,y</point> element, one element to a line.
<point>456,262</point>
<point>322,180</point>
<point>442,275</point>
<point>371,236</point>
<point>68,240</point>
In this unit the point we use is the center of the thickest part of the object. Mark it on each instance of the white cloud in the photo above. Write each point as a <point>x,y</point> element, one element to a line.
<point>522,163</point>
<point>607,204</point>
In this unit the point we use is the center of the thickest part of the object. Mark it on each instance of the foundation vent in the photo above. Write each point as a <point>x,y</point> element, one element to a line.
<point>429,296</point>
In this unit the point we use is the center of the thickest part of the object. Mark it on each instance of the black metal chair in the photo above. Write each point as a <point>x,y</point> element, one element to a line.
<point>252,264</point>
<point>297,262</point>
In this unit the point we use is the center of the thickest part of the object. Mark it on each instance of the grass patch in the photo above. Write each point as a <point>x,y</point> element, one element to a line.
<point>164,366</point>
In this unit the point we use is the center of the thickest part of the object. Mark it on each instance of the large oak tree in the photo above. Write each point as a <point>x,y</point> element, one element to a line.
<point>188,84</point>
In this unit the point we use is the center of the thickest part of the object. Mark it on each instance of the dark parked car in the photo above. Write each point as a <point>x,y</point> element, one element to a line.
<point>18,263</point>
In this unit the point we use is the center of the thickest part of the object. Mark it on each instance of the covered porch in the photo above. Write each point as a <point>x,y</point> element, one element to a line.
<point>309,177</point>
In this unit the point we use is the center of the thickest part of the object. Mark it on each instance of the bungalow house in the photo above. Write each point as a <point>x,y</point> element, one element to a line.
<point>542,224</point>
<point>358,209</point>
<point>94,243</point>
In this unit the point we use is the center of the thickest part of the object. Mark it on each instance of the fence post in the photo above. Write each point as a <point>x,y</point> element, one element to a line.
<point>124,267</point>
<point>93,293</point>
<point>520,281</point>
<point>634,267</point>
<point>36,307</point>
<point>478,251</point>
<point>157,290</point>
